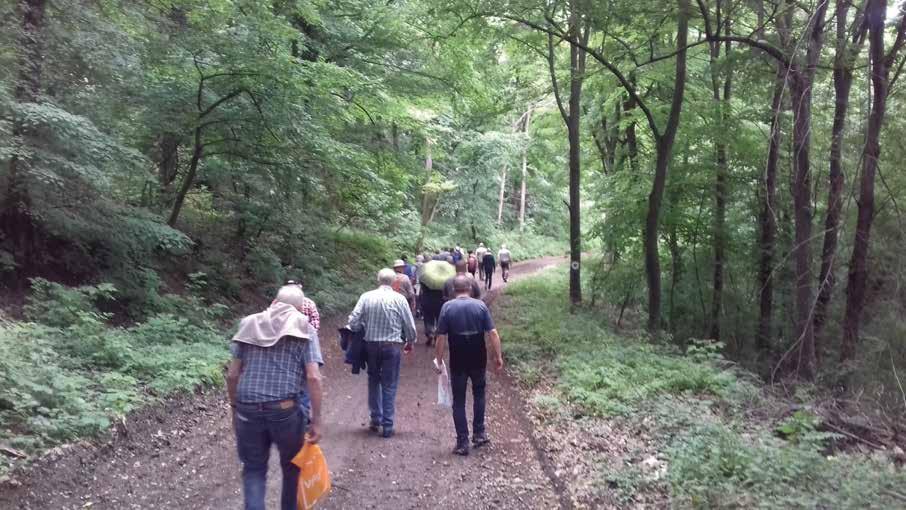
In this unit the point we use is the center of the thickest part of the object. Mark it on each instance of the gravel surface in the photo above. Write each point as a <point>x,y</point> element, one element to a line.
<point>181,454</point>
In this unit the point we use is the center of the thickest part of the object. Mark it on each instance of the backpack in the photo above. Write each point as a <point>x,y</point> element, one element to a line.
<point>472,264</point>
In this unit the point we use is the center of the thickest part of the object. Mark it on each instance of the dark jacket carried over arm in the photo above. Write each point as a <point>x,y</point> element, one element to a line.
<point>353,342</point>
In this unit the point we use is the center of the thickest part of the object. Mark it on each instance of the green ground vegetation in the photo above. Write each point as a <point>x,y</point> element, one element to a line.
<point>696,406</point>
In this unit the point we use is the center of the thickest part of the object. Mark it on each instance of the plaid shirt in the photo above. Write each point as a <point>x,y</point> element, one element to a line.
<point>310,309</point>
<point>276,372</point>
<point>385,316</point>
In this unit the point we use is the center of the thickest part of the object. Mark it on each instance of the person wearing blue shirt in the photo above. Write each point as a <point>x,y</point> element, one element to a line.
<point>465,321</point>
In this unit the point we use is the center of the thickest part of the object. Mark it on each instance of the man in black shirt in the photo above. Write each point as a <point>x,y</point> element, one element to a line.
<point>465,320</point>
<point>489,264</point>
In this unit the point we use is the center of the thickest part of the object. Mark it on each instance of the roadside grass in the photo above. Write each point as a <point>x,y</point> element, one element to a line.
<point>695,407</point>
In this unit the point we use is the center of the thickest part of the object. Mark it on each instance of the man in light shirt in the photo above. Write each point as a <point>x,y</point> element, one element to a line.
<point>479,254</point>
<point>505,259</point>
<point>389,328</point>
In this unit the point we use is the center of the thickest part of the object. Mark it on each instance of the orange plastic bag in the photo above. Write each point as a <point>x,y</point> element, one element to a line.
<point>314,478</point>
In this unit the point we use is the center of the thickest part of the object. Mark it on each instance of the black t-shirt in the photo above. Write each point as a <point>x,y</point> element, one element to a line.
<point>465,321</point>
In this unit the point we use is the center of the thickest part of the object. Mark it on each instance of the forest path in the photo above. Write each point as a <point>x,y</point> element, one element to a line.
<point>182,454</point>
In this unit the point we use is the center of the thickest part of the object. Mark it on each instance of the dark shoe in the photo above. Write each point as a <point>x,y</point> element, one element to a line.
<point>388,433</point>
<point>461,449</point>
<point>373,427</point>
<point>480,440</point>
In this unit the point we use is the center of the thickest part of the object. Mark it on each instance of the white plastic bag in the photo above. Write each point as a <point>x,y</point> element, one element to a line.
<point>444,391</point>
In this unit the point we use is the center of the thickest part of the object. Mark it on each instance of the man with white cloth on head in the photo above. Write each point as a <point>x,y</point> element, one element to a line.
<point>274,353</point>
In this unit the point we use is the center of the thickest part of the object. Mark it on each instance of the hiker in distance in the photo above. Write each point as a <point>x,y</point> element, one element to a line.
<point>479,255</point>
<point>386,318</point>
<point>273,353</point>
<point>488,264</point>
<point>464,322</point>
<point>403,284</point>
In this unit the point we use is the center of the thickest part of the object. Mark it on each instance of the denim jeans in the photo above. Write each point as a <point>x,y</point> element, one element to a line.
<point>458,381</point>
<point>383,376</point>
<point>256,430</point>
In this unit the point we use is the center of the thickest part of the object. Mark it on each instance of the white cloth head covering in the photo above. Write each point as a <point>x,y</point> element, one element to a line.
<point>266,328</point>
<point>399,263</point>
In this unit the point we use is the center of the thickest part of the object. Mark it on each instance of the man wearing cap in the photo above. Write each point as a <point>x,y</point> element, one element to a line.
<point>389,328</point>
<point>403,284</point>
<point>273,353</point>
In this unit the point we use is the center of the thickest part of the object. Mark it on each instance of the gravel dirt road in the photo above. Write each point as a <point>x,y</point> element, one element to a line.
<point>182,454</point>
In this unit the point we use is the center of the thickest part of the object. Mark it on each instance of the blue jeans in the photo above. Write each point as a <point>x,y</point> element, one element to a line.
<point>383,376</point>
<point>256,430</point>
<point>458,382</point>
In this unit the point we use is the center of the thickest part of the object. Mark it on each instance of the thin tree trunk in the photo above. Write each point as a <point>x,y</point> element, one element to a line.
<point>198,144</point>
<point>189,179</point>
<point>167,162</point>
<point>721,106</point>
<point>876,15</point>
<point>571,116</point>
<point>426,215</point>
<point>766,219</point>
<point>675,268</point>
<point>802,75</point>
<point>501,195</point>
<point>843,79</point>
<point>525,129</point>
<point>664,153</point>
<point>632,140</point>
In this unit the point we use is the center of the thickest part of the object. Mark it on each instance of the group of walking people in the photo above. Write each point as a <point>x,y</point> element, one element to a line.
<point>480,260</point>
<point>274,380</point>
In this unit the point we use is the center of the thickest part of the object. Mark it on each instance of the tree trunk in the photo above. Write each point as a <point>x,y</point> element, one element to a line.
<point>843,78</point>
<point>721,107</point>
<point>876,14</point>
<point>766,219</point>
<point>426,215</point>
<point>802,216</point>
<point>189,179</point>
<point>15,212</point>
<point>802,77</point>
<point>664,152</point>
<point>675,268</point>
<point>500,200</point>
<point>525,129</point>
<point>168,161</point>
<point>632,140</point>
<point>577,57</point>
<point>578,39</point>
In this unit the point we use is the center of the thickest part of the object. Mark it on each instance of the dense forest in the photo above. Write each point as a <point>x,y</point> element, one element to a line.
<point>726,170</point>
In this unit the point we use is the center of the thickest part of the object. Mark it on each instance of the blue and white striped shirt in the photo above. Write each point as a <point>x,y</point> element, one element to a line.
<point>384,315</point>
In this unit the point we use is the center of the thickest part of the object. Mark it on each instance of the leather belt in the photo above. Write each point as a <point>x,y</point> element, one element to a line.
<point>264,406</point>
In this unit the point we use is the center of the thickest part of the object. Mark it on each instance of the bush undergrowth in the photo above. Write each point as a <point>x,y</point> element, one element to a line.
<point>68,373</point>
<point>693,407</point>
